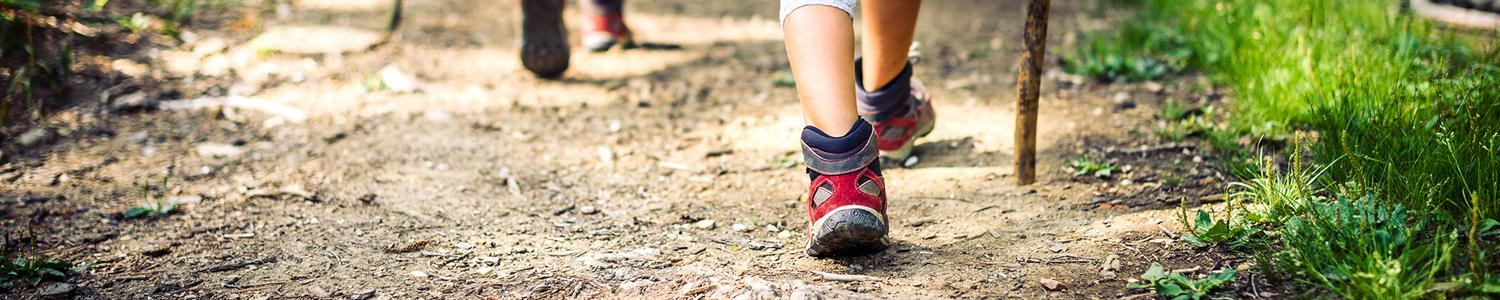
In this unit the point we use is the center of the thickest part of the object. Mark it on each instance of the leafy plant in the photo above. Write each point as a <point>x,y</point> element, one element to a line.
<point>1405,109</point>
<point>1363,247</point>
<point>151,209</point>
<point>1084,166</point>
<point>33,270</point>
<point>1177,286</point>
<point>1205,231</point>
<point>154,206</point>
<point>135,23</point>
<point>1173,110</point>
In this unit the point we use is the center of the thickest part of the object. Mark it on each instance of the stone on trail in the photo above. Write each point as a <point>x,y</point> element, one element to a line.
<point>394,80</point>
<point>315,40</point>
<point>910,161</point>
<point>218,150</point>
<point>1051,284</point>
<point>362,295</point>
<point>637,257</point>
<point>35,136</point>
<point>757,289</point>
<point>1056,247</point>
<point>418,274</point>
<point>1109,266</point>
<point>638,286</point>
<point>57,289</point>
<point>131,101</point>
<point>739,227</point>
<point>317,292</point>
<point>705,224</point>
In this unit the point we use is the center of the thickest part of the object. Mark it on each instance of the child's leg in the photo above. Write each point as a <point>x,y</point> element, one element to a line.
<point>820,47</point>
<point>888,95</point>
<point>887,38</point>
<point>846,195</point>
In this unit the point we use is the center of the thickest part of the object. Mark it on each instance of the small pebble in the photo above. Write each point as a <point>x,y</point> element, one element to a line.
<point>704,224</point>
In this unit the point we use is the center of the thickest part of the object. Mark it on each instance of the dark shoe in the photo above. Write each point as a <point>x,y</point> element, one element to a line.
<point>544,41</point>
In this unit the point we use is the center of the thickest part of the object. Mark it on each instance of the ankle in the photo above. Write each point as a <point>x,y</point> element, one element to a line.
<point>824,154</point>
<point>889,99</point>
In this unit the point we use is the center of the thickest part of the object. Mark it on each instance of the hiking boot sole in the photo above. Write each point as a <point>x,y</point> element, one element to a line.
<point>849,230</point>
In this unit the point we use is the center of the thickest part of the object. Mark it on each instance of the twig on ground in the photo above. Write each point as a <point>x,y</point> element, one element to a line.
<point>847,277</point>
<point>515,187</point>
<point>1069,259</point>
<point>238,265</point>
<point>1253,289</point>
<point>1132,249</point>
<point>1188,270</point>
<point>231,285</point>
<point>943,198</point>
<point>1152,149</point>
<point>1166,231</point>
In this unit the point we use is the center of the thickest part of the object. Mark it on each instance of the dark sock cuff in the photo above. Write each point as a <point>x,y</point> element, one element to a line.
<point>838,147</point>
<point>830,155</point>
<point>886,101</point>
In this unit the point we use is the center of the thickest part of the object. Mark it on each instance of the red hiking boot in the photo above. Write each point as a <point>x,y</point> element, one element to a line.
<point>846,200</point>
<point>604,25</point>
<point>901,112</point>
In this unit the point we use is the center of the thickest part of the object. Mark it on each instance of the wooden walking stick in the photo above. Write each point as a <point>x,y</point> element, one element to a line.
<point>1028,89</point>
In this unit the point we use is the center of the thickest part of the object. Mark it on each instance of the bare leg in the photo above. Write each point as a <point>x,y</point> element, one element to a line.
<point>820,47</point>
<point>888,30</point>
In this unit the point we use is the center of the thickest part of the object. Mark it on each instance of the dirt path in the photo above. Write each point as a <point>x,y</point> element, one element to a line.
<point>646,174</point>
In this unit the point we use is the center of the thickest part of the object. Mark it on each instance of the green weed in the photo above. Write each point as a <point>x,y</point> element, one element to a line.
<point>1204,231</point>
<point>33,270</point>
<point>154,206</point>
<point>1405,120</point>
<point>1361,247</point>
<point>1085,166</point>
<point>1138,52</point>
<point>1173,110</point>
<point>1177,286</point>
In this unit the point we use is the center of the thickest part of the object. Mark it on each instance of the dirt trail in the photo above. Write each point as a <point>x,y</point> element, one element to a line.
<point>628,179</point>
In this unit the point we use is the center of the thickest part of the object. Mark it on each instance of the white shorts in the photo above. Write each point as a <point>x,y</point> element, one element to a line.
<point>787,6</point>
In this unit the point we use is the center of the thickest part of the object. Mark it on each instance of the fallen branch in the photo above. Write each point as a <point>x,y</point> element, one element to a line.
<point>1166,231</point>
<point>238,265</point>
<point>847,277</point>
<point>1152,149</point>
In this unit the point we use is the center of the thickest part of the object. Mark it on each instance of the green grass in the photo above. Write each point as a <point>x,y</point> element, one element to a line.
<point>1176,286</point>
<point>1403,127</point>
<point>1084,166</point>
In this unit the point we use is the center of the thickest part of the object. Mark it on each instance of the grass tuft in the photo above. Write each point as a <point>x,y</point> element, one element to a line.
<point>1402,121</point>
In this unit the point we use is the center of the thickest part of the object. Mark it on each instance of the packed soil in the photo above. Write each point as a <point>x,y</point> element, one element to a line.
<point>668,171</point>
